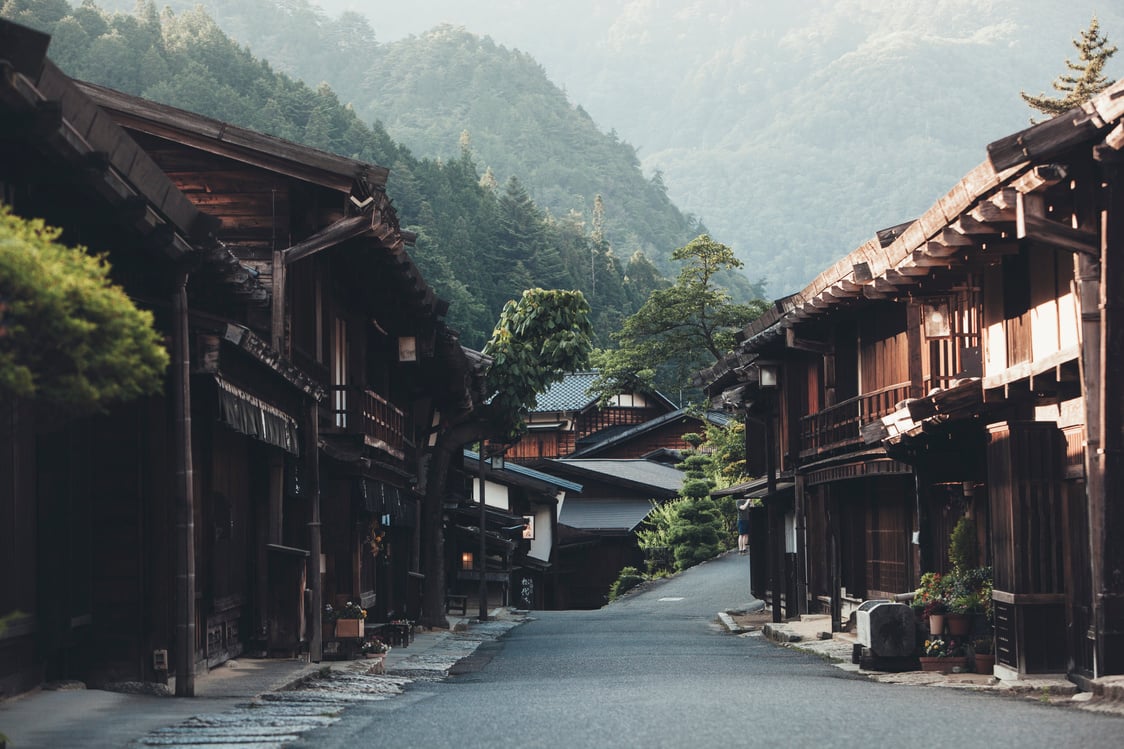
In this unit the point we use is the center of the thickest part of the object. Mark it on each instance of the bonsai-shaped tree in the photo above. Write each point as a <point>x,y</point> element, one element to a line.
<point>1085,78</point>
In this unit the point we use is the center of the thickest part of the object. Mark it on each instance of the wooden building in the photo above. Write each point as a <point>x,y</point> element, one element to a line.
<point>567,418</point>
<point>520,534</point>
<point>597,528</point>
<point>279,469</point>
<point>966,363</point>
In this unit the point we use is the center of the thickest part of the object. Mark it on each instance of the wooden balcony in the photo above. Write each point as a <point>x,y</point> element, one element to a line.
<point>840,426</point>
<point>356,410</point>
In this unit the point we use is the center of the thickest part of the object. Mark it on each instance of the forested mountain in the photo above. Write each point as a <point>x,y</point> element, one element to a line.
<point>794,130</point>
<point>479,243</point>
<point>432,91</point>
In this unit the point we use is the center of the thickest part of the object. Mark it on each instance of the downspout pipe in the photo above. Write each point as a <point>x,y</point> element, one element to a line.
<point>184,491</point>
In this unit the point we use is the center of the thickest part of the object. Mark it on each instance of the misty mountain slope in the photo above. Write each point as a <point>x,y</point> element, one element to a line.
<point>428,90</point>
<point>479,244</point>
<point>793,130</point>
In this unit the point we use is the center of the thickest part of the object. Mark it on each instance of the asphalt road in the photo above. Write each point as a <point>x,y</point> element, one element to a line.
<point>655,670</point>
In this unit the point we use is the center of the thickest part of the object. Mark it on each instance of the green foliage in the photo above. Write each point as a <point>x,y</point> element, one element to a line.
<point>628,579</point>
<point>67,334</point>
<point>1085,78</point>
<point>963,550</point>
<point>696,535</point>
<point>477,246</point>
<point>681,328</point>
<point>537,340</point>
<point>932,596</point>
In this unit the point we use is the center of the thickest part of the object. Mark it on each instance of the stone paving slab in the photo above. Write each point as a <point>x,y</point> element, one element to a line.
<point>813,634</point>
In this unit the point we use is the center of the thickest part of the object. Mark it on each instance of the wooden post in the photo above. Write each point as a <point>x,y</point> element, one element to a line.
<point>184,492</point>
<point>801,548</point>
<point>315,578</point>
<point>1106,511</point>
<point>483,590</point>
<point>776,520</point>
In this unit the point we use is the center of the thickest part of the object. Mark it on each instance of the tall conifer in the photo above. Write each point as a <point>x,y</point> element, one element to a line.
<point>1085,78</point>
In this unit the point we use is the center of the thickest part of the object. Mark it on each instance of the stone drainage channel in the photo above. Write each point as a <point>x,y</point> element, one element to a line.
<point>276,718</point>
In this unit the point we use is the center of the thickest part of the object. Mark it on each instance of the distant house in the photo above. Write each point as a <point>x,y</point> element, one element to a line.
<point>597,529</point>
<point>622,452</point>
<point>520,534</point>
<point>567,418</point>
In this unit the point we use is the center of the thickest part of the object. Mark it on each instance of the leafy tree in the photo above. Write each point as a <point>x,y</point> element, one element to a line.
<point>1085,78</point>
<point>681,328</point>
<point>67,334</point>
<point>538,338</point>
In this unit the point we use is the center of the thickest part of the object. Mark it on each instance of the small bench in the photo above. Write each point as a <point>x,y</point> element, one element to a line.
<point>456,603</point>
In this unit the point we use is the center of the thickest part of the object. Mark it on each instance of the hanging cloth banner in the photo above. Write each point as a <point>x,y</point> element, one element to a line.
<point>255,418</point>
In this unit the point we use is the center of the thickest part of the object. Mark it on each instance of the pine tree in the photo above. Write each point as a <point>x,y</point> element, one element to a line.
<point>1085,79</point>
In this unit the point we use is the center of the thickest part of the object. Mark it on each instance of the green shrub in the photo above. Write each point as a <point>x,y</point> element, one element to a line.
<point>628,579</point>
<point>962,549</point>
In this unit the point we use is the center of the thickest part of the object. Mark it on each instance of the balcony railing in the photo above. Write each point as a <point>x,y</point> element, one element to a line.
<point>840,425</point>
<point>358,410</point>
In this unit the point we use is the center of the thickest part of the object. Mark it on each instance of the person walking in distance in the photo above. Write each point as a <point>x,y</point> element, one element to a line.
<point>743,526</point>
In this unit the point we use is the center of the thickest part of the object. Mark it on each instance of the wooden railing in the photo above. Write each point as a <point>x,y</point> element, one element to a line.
<point>382,424</point>
<point>840,425</point>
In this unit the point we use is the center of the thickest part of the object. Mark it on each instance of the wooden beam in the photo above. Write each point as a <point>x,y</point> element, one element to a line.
<point>922,259</point>
<point>938,250</point>
<point>916,271</point>
<point>1000,207</point>
<point>340,231</point>
<point>1039,178</point>
<point>1034,226</point>
<point>950,238</point>
<point>967,225</point>
<point>793,341</point>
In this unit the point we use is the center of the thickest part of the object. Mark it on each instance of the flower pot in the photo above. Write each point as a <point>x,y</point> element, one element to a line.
<point>985,663</point>
<point>349,628</point>
<point>948,665</point>
<point>936,624</point>
<point>930,663</point>
<point>958,624</point>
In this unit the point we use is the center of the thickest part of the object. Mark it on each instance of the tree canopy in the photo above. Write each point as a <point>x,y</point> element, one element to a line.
<point>680,329</point>
<point>1085,78</point>
<point>539,338</point>
<point>67,334</point>
<point>479,243</point>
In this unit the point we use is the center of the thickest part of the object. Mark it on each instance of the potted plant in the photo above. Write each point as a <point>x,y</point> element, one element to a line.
<point>961,609</point>
<point>348,620</point>
<point>930,601</point>
<point>374,648</point>
<point>983,654</point>
<point>944,655</point>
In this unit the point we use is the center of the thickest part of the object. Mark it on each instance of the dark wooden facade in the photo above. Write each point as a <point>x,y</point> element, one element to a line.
<point>960,364</point>
<point>309,358</point>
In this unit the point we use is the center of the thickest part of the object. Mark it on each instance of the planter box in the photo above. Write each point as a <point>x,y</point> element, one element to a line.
<point>955,664</point>
<point>349,628</point>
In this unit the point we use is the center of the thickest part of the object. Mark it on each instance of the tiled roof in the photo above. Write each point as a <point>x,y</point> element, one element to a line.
<point>497,473</point>
<point>569,394</point>
<point>604,514</point>
<point>617,434</point>
<point>635,471</point>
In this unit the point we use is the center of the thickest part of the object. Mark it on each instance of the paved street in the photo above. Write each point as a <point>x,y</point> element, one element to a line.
<point>652,670</point>
<point>655,671</point>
